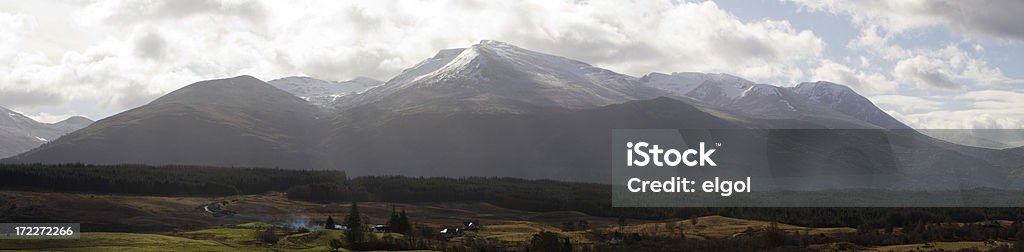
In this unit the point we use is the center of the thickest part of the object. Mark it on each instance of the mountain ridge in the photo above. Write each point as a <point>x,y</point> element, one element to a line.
<point>823,100</point>
<point>489,110</point>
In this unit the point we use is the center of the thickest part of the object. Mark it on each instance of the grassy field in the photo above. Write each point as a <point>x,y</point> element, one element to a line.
<point>102,241</point>
<point>213,239</point>
<point>241,237</point>
<point>716,227</point>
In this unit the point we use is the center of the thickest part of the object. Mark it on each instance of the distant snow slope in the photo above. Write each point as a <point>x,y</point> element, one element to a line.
<point>18,133</point>
<point>824,101</point>
<point>323,93</point>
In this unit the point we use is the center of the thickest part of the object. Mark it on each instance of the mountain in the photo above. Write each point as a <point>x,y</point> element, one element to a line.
<point>821,103</point>
<point>503,77</point>
<point>238,121</point>
<point>494,109</point>
<point>323,93</point>
<point>18,133</point>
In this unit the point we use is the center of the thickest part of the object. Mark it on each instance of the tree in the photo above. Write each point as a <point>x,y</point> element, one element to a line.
<point>330,223</point>
<point>403,223</point>
<point>355,233</point>
<point>399,222</point>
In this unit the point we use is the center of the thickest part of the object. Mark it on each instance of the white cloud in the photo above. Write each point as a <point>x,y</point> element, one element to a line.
<point>988,109</point>
<point>13,25</point>
<point>990,19</point>
<point>860,81</point>
<point>947,68</point>
<point>905,103</point>
<point>925,71</point>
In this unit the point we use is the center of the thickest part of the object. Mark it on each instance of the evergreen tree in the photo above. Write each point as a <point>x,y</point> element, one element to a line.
<point>355,233</point>
<point>330,223</point>
<point>393,220</point>
<point>404,226</point>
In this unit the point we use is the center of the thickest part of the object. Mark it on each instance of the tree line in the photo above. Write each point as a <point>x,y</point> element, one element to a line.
<point>172,180</point>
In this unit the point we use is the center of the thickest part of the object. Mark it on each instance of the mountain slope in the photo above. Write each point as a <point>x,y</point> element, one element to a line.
<point>18,133</point>
<point>555,143</point>
<point>323,93</point>
<point>239,121</point>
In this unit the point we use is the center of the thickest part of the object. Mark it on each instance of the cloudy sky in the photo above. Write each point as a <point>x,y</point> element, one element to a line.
<point>932,64</point>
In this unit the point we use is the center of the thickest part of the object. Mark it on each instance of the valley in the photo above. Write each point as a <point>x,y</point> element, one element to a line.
<point>244,213</point>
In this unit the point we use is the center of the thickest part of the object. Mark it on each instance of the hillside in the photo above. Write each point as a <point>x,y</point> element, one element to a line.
<point>239,121</point>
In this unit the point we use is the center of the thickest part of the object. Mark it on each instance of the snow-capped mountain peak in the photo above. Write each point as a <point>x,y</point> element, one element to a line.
<point>494,70</point>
